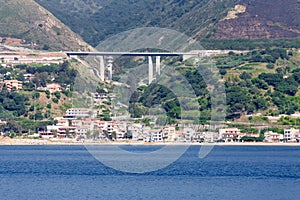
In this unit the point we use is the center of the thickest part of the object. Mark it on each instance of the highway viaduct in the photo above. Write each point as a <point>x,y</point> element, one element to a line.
<point>150,55</point>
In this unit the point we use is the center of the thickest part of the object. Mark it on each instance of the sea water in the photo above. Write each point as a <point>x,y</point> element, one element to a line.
<point>228,172</point>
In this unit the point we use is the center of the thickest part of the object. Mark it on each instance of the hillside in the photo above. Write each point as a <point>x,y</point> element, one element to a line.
<point>263,19</point>
<point>201,19</point>
<point>265,82</point>
<point>26,20</point>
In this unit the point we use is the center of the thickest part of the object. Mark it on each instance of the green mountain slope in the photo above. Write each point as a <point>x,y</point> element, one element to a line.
<point>106,18</point>
<point>201,19</point>
<point>27,20</point>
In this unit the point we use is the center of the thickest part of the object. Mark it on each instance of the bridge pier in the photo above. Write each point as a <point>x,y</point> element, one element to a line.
<point>150,68</point>
<point>158,65</point>
<point>110,68</point>
<point>102,68</point>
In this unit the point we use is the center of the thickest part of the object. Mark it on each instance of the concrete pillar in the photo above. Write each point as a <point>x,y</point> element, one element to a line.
<point>150,69</point>
<point>110,67</point>
<point>102,68</point>
<point>158,65</point>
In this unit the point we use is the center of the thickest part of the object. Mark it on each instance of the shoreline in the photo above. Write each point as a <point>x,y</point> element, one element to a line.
<point>5,141</point>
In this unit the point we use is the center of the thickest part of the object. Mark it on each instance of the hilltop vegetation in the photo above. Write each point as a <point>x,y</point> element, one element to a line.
<point>26,20</point>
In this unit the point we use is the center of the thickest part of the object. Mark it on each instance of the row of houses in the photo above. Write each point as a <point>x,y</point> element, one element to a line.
<point>235,135</point>
<point>81,123</point>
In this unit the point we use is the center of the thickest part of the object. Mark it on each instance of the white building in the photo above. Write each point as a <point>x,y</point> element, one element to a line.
<point>74,113</point>
<point>61,131</point>
<point>169,132</point>
<point>189,134</point>
<point>290,134</point>
<point>120,134</point>
<point>155,136</point>
<point>138,132</point>
<point>81,131</point>
<point>230,134</point>
<point>209,136</point>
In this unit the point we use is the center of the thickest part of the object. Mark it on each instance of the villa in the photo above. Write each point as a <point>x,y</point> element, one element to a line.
<point>272,137</point>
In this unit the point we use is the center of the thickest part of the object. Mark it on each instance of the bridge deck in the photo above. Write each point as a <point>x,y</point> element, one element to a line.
<point>131,53</point>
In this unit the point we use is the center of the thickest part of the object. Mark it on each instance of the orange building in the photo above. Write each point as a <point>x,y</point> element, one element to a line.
<point>10,84</point>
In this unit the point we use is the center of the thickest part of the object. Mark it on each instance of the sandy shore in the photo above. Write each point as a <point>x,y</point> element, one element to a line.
<point>9,141</point>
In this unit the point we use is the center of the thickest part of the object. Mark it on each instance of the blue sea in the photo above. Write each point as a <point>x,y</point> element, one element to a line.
<point>227,172</point>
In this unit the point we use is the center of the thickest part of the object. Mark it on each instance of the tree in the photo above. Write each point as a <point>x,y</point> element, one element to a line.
<point>54,133</point>
<point>88,134</point>
<point>57,94</point>
<point>67,132</point>
<point>271,79</point>
<point>41,79</point>
<point>46,47</point>
<point>231,53</point>
<point>288,86</point>
<point>96,134</point>
<point>223,72</point>
<point>36,95</point>
<point>245,76</point>
<point>279,70</point>
<point>261,103</point>
<point>55,100</point>
<point>270,66</point>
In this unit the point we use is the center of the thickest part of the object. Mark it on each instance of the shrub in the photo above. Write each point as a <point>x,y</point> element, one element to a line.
<point>55,100</point>
<point>270,66</point>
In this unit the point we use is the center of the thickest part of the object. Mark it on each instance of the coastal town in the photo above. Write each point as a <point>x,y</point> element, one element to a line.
<point>81,124</point>
<point>77,127</point>
<point>72,125</point>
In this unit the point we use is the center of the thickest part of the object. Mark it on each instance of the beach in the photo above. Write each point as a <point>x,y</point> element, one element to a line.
<point>19,141</point>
